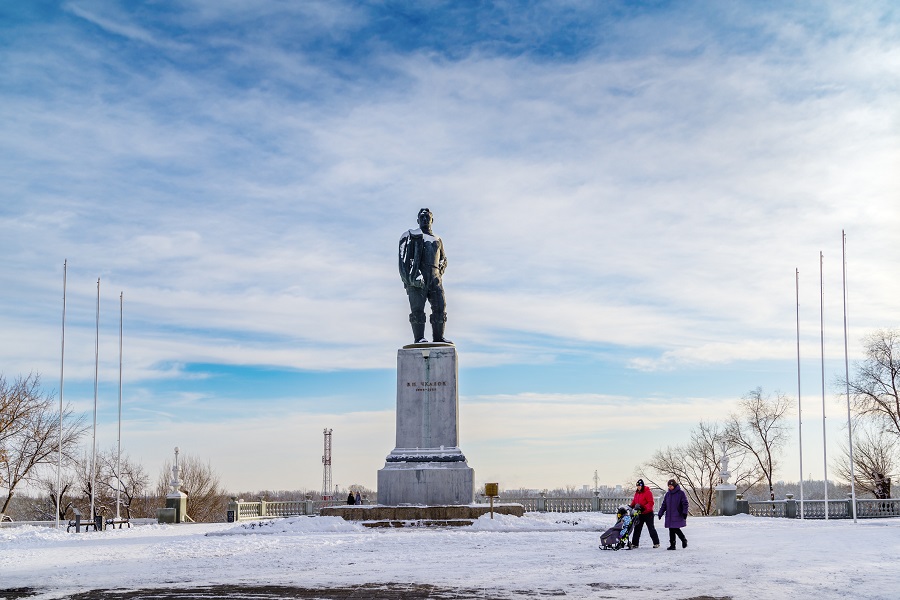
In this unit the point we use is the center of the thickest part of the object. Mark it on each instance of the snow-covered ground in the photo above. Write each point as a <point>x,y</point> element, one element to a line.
<point>534,556</point>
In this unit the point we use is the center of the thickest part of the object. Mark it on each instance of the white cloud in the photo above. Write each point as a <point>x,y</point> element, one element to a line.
<point>120,26</point>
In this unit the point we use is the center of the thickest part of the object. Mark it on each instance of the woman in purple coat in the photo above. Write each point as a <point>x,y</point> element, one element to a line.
<point>675,507</point>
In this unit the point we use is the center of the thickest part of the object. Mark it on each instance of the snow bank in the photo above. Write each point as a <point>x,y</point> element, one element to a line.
<point>292,526</point>
<point>545,522</point>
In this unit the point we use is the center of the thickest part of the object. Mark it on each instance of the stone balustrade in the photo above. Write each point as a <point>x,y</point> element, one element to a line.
<point>866,508</point>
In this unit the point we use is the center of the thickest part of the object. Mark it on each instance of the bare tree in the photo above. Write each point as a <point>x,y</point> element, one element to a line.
<point>875,455</point>
<point>89,486</point>
<point>29,432</point>
<point>45,509</point>
<point>759,428</point>
<point>696,466</point>
<point>206,498</point>
<point>126,476</point>
<point>131,480</point>
<point>875,386</point>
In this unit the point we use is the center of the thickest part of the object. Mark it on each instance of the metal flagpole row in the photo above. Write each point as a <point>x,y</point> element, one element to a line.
<point>847,376</point>
<point>62,362</point>
<point>846,379</point>
<point>799,402</point>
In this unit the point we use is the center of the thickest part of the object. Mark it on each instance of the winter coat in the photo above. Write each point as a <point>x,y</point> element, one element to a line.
<point>645,499</point>
<point>675,507</point>
<point>350,499</point>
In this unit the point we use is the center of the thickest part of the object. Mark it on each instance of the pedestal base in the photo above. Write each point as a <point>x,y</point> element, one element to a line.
<point>414,516</point>
<point>726,500</point>
<point>178,501</point>
<point>426,483</point>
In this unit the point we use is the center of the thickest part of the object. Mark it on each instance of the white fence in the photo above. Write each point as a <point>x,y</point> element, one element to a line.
<point>239,510</point>
<point>569,504</point>
<point>866,508</point>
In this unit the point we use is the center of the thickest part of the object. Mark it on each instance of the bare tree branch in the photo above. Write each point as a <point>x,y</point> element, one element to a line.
<point>875,386</point>
<point>696,466</point>
<point>29,432</point>
<point>759,429</point>
<point>875,458</point>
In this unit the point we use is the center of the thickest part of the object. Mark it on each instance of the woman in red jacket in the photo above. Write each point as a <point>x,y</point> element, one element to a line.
<point>644,497</point>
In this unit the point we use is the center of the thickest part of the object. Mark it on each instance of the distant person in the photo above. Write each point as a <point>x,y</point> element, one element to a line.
<point>643,497</point>
<point>675,508</point>
<point>350,499</point>
<point>358,498</point>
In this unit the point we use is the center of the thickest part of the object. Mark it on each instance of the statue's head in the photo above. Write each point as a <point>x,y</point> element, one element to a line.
<point>425,219</point>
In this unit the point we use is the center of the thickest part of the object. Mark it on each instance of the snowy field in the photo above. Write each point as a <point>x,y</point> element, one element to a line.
<point>540,555</point>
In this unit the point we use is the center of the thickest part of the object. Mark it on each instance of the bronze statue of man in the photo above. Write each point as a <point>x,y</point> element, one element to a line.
<point>422,264</point>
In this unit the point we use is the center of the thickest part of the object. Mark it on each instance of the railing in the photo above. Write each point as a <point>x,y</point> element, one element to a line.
<point>239,510</point>
<point>530,504</point>
<point>767,508</point>
<point>871,508</point>
<point>570,504</point>
<point>566,505</point>
<point>867,508</point>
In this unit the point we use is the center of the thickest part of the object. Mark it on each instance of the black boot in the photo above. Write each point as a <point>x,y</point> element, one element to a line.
<point>418,327</point>
<point>437,328</point>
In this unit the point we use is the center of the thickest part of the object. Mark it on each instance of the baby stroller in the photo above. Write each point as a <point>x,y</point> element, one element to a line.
<point>618,536</point>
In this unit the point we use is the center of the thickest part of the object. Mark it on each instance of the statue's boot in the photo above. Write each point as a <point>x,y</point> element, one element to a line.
<point>438,321</point>
<point>418,327</point>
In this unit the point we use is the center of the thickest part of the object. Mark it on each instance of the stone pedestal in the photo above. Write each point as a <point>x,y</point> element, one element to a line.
<point>426,467</point>
<point>178,501</point>
<point>726,500</point>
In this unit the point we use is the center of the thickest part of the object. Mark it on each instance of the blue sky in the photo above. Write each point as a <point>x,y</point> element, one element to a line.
<point>624,191</point>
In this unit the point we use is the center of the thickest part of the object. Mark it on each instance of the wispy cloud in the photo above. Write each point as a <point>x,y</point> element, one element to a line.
<point>119,25</point>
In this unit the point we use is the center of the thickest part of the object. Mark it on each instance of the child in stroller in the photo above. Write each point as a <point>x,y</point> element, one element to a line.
<point>618,536</point>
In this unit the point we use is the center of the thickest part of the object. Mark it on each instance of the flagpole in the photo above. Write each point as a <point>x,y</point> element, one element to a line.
<point>799,403</point>
<point>119,442</point>
<point>847,375</point>
<point>822,341</point>
<point>62,362</point>
<point>96,379</point>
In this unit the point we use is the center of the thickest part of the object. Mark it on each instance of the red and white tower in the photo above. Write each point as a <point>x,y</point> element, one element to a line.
<point>326,467</point>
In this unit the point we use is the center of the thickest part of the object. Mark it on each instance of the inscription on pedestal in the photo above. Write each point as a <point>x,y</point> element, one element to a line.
<point>427,402</point>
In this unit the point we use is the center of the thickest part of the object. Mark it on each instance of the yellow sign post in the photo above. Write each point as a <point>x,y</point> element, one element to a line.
<point>491,490</point>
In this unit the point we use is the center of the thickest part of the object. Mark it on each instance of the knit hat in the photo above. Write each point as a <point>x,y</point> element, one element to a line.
<point>640,482</point>
<point>672,482</point>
